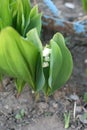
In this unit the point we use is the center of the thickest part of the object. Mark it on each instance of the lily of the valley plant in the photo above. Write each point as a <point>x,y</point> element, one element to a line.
<point>22,55</point>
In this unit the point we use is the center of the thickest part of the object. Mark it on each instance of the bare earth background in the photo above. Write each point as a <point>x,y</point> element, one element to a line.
<point>42,115</point>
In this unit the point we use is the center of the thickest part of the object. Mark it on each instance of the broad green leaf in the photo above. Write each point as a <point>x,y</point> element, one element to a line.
<point>18,59</point>
<point>51,72</point>
<point>35,20</point>
<point>40,79</point>
<point>67,64</point>
<point>5,14</point>
<point>33,37</point>
<point>46,87</point>
<point>11,1</point>
<point>55,63</point>
<point>39,70</point>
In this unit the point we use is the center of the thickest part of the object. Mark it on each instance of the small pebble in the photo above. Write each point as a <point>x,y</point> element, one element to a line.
<point>81,118</point>
<point>67,103</point>
<point>6,106</point>
<point>70,5</point>
<point>73,126</point>
<point>51,109</point>
<point>78,109</point>
<point>74,97</point>
<point>42,105</point>
<point>85,61</point>
<point>55,105</point>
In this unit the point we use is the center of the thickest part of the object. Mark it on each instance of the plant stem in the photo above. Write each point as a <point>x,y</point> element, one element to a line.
<point>67,120</point>
<point>1,84</point>
<point>37,96</point>
<point>17,95</point>
<point>74,111</point>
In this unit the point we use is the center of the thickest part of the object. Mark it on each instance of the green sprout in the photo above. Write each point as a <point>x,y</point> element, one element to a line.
<point>67,120</point>
<point>20,115</point>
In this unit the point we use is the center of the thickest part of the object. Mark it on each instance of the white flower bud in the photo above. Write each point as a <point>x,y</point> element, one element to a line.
<point>46,52</point>
<point>47,58</point>
<point>45,64</point>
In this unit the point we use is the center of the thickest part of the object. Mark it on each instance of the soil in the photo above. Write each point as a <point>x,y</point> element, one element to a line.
<point>24,113</point>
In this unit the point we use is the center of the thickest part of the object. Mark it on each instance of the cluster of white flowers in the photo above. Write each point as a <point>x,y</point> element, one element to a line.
<point>46,56</point>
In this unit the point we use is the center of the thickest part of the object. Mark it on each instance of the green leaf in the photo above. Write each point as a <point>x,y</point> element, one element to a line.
<point>25,17</point>
<point>20,17</point>
<point>85,116</point>
<point>19,85</point>
<point>5,14</point>
<point>46,87</point>
<point>55,62</point>
<point>20,115</point>
<point>52,71</point>
<point>85,97</point>
<point>1,24</point>
<point>22,112</point>
<point>11,1</point>
<point>13,8</point>
<point>26,8</point>
<point>18,59</point>
<point>65,70</point>
<point>35,20</point>
<point>33,37</point>
<point>84,3</point>
<point>40,80</point>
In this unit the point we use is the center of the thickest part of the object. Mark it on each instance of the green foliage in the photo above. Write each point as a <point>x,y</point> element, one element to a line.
<point>60,64</point>
<point>85,97</point>
<point>20,115</point>
<point>21,53</point>
<point>86,71</point>
<point>85,116</point>
<point>20,15</point>
<point>18,59</point>
<point>19,85</point>
<point>84,3</point>
<point>67,120</point>
<point>5,14</point>
<point>20,62</point>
